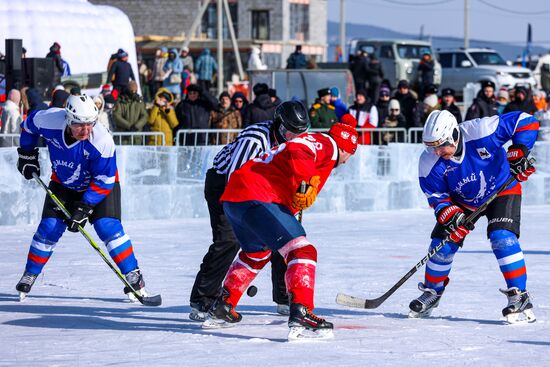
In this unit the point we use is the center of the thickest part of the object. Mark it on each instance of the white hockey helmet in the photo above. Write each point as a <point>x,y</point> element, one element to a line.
<point>81,110</point>
<point>441,129</point>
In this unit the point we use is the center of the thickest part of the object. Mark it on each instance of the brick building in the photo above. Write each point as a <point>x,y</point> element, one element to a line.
<point>275,25</point>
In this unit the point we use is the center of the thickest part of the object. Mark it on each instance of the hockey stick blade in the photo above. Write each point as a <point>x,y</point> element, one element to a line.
<point>351,301</point>
<point>151,301</point>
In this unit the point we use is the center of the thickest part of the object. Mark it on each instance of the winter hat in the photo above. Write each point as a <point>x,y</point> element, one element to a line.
<point>260,88</point>
<point>106,88</point>
<point>15,96</point>
<point>224,94</point>
<point>323,92</point>
<point>272,92</point>
<point>362,92</point>
<point>345,137</point>
<point>194,88</point>
<point>348,119</point>
<point>394,105</point>
<point>403,84</point>
<point>448,92</point>
<point>503,93</point>
<point>384,91</point>
<point>185,49</point>
<point>431,100</point>
<point>59,98</point>
<point>335,92</point>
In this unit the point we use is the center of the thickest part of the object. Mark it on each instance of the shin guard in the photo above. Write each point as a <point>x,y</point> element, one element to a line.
<point>242,272</point>
<point>510,259</point>
<point>43,243</point>
<point>301,258</point>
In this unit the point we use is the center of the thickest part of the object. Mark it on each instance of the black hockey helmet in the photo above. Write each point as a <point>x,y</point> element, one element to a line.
<point>291,116</point>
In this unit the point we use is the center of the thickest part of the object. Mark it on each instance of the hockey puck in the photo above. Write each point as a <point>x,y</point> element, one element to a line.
<point>251,291</point>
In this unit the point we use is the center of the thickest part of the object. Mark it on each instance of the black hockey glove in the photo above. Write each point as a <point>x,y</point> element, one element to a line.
<point>80,215</point>
<point>27,163</point>
<point>520,167</point>
<point>452,218</point>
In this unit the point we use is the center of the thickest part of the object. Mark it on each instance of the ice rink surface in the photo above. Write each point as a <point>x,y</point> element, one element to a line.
<point>76,314</point>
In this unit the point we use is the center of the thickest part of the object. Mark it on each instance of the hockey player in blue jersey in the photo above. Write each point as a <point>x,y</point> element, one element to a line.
<point>84,177</point>
<point>461,167</point>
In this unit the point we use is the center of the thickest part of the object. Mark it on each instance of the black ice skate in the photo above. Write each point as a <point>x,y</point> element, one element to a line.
<point>198,312</point>
<point>423,306</point>
<point>25,284</point>
<point>136,281</point>
<point>304,324</point>
<point>520,308</point>
<point>221,315</point>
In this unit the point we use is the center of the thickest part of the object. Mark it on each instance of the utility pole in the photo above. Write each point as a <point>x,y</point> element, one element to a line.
<point>220,46</point>
<point>342,29</point>
<point>466,39</point>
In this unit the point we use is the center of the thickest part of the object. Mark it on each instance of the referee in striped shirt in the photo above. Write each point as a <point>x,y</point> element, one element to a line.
<point>290,120</point>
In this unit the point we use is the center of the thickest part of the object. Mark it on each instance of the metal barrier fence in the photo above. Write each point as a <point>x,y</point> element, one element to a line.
<point>139,138</point>
<point>415,135</point>
<point>9,140</point>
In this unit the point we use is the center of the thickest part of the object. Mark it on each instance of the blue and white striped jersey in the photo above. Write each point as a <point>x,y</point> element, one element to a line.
<point>88,165</point>
<point>482,168</point>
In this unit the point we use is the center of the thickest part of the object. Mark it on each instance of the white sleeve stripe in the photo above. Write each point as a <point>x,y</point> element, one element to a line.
<point>117,242</point>
<point>106,179</point>
<point>438,267</point>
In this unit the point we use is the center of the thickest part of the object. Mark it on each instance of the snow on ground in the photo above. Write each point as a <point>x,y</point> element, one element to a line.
<point>76,314</point>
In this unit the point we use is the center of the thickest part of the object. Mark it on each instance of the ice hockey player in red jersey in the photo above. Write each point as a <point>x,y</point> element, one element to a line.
<point>260,201</point>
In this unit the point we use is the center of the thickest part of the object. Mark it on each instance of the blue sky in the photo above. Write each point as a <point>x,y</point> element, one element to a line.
<point>446,17</point>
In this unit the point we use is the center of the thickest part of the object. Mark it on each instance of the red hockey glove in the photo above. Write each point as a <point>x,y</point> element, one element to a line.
<point>452,218</point>
<point>303,201</point>
<point>520,167</point>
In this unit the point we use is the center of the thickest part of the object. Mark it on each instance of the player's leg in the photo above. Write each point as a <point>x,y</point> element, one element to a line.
<point>107,224</point>
<point>436,275</point>
<point>220,255</point>
<point>280,295</point>
<point>504,217</point>
<point>42,246</point>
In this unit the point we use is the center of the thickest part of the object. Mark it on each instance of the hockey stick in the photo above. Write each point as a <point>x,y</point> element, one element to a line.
<point>351,301</point>
<point>302,189</point>
<point>147,301</point>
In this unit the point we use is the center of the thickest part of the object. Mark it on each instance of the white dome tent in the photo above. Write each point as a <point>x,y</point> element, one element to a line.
<point>88,33</point>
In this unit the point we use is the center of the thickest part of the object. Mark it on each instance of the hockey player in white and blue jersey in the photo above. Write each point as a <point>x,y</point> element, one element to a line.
<point>461,167</point>
<point>84,177</point>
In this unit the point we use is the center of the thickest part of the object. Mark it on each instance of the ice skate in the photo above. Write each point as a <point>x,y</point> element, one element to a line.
<point>283,309</point>
<point>304,324</point>
<point>423,306</point>
<point>135,278</point>
<point>519,309</point>
<point>221,315</point>
<point>25,284</point>
<point>198,312</point>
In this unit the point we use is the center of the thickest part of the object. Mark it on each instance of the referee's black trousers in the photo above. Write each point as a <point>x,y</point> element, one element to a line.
<point>223,250</point>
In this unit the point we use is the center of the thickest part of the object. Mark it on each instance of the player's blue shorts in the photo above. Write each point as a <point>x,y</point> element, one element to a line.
<point>259,226</point>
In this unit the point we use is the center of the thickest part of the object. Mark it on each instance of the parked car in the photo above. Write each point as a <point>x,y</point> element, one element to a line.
<point>399,58</point>
<point>461,66</point>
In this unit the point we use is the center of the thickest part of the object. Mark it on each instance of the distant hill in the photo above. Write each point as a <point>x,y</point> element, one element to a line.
<point>508,51</point>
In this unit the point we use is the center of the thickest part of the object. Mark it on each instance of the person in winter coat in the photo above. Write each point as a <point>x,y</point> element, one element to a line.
<point>339,106</point>
<point>129,113</point>
<point>296,60</point>
<point>187,59</point>
<point>239,102</point>
<point>205,68</point>
<point>394,119</point>
<point>121,72</point>
<point>362,110</point>
<point>103,117</point>
<point>193,112</point>
<point>522,102</point>
<point>172,73</point>
<point>358,67</point>
<point>322,113</point>
<point>254,60</point>
<point>503,98</point>
<point>162,117</point>
<point>382,106</point>
<point>375,74</point>
<point>261,109</point>
<point>224,117</point>
<point>484,105</point>
<point>11,115</point>
<point>426,70</point>
<point>161,56</point>
<point>428,105</point>
<point>55,54</point>
<point>407,101</point>
<point>34,100</point>
<point>59,98</point>
<point>448,103</point>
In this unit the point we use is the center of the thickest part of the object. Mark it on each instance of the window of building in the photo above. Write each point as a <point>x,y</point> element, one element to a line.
<point>210,21</point>
<point>260,24</point>
<point>299,22</point>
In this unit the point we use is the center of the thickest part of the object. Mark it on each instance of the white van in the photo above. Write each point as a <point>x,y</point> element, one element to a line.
<point>399,58</point>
